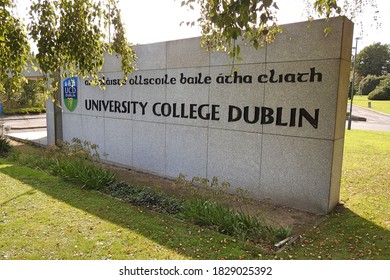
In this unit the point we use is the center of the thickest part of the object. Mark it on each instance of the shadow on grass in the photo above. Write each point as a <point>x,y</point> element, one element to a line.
<point>18,196</point>
<point>343,235</point>
<point>183,238</point>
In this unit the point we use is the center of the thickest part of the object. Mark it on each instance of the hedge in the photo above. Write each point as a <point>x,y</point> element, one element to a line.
<point>369,83</point>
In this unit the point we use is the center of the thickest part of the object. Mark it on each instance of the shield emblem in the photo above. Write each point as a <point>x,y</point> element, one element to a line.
<point>70,93</point>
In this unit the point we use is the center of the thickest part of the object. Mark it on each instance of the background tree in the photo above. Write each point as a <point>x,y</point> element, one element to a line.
<point>373,60</point>
<point>14,48</point>
<point>223,22</point>
<point>30,95</point>
<point>69,34</point>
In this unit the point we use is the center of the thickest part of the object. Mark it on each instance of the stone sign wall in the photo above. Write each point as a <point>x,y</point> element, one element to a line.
<point>273,126</point>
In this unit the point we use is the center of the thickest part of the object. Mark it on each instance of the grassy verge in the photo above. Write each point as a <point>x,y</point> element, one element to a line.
<point>43,217</point>
<point>360,227</point>
<point>76,162</point>
<point>377,105</point>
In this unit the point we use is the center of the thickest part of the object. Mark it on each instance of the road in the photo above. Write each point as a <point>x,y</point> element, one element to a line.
<point>26,127</point>
<point>23,122</point>
<point>375,121</point>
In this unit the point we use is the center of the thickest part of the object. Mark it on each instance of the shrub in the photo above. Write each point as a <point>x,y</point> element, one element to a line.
<point>5,146</point>
<point>369,83</point>
<point>382,92</point>
<point>23,111</point>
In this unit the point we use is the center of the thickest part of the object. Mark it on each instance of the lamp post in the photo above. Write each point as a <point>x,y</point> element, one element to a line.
<point>353,84</point>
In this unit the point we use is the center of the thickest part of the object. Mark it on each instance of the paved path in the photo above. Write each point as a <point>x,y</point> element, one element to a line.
<point>375,120</point>
<point>25,127</point>
<point>22,122</point>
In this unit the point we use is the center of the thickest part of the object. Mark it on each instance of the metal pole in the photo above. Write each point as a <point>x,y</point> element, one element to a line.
<point>353,84</point>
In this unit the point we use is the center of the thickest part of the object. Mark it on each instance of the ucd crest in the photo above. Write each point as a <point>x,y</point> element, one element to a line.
<point>70,93</point>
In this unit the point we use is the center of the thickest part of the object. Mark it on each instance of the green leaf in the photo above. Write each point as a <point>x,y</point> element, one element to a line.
<point>267,3</point>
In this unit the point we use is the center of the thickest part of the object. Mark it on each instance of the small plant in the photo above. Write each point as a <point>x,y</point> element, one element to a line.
<point>228,221</point>
<point>75,149</point>
<point>145,197</point>
<point>75,161</point>
<point>5,146</point>
<point>88,174</point>
<point>217,191</point>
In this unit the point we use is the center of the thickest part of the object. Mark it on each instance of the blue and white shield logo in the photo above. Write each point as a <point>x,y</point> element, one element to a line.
<point>70,93</point>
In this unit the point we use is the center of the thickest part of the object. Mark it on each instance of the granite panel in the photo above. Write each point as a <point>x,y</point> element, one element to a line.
<point>50,122</point>
<point>307,41</point>
<point>89,128</point>
<point>239,90</point>
<point>72,126</point>
<point>346,47</point>
<point>186,53</point>
<point>188,99</point>
<point>342,100</point>
<point>186,151</point>
<point>117,97</point>
<point>87,92</point>
<point>248,53</point>
<point>151,56</point>
<point>118,141</point>
<point>296,172</point>
<point>306,109</point>
<point>149,147</point>
<point>112,63</point>
<point>334,190</point>
<point>234,157</point>
<point>147,95</point>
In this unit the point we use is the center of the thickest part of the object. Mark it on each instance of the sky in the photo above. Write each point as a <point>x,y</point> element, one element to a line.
<point>149,21</point>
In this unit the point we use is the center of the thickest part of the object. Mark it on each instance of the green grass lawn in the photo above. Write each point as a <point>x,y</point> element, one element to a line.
<point>377,105</point>
<point>42,217</point>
